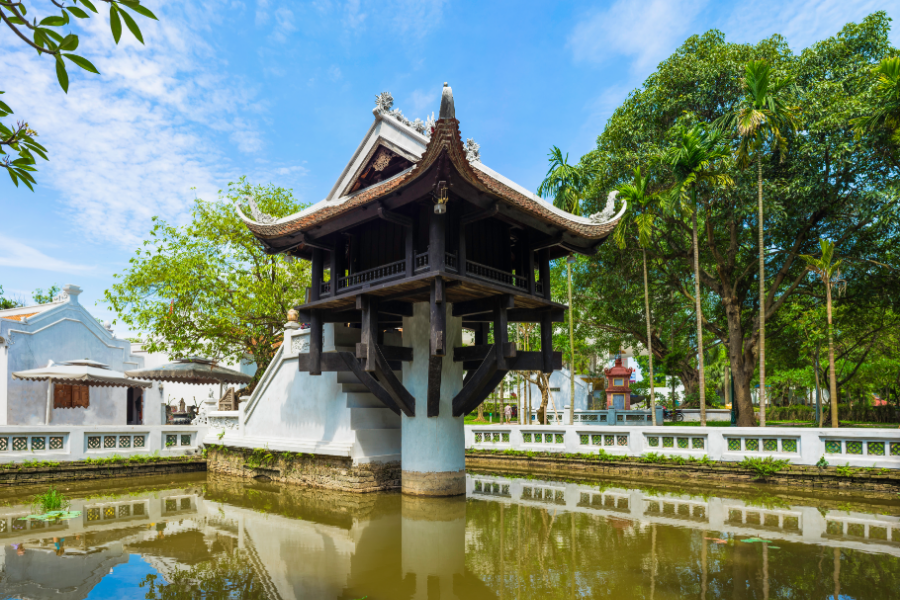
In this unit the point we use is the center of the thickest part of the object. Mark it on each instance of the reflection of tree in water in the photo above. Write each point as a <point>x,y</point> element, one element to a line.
<point>543,552</point>
<point>225,576</point>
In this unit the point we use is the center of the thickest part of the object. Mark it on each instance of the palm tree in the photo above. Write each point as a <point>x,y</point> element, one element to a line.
<point>566,184</point>
<point>830,274</point>
<point>636,196</point>
<point>693,158</point>
<point>762,119</point>
<point>887,91</point>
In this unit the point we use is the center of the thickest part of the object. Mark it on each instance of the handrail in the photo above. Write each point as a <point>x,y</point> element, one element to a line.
<point>487,273</point>
<point>451,263</point>
<point>371,275</point>
<point>421,262</point>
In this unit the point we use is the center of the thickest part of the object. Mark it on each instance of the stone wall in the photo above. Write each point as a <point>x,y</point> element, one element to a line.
<point>796,476</point>
<point>21,476</point>
<point>331,472</point>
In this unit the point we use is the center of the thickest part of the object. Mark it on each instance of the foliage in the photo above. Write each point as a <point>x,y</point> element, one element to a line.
<point>48,40</point>
<point>42,297</point>
<point>764,467</point>
<point>50,501</point>
<point>208,288</point>
<point>227,576</point>
<point>822,463</point>
<point>845,471</point>
<point>565,183</point>
<point>260,457</point>
<point>8,302</point>
<point>838,184</point>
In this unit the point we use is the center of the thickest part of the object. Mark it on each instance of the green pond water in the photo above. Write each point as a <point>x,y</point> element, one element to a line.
<point>510,537</point>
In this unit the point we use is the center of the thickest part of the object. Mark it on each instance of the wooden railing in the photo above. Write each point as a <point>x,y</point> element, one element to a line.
<point>421,262</point>
<point>491,274</point>
<point>451,263</point>
<point>380,273</point>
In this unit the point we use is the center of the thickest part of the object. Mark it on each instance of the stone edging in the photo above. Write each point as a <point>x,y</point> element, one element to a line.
<point>793,475</point>
<point>83,472</point>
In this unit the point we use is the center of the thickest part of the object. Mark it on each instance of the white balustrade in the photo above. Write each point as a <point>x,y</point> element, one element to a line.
<point>800,446</point>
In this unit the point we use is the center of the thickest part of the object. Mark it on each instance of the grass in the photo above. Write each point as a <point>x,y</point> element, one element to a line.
<point>49,501</point>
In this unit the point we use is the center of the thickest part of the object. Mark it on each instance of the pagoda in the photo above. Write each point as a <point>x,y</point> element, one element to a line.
<point>418,234</point>
<point>618,385</point>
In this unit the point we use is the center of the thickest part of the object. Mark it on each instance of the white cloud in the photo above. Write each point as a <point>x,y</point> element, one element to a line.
<point>262,12</point>
<point>801,23</point>
<point>421,102</point>
<point>14,253</point>
<point>334,73</point>
<point>284,25</point>
<point>645,31</point>
<point>132,142</point>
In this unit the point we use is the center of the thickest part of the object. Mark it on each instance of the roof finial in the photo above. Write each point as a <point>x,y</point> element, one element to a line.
<point>447,109</point>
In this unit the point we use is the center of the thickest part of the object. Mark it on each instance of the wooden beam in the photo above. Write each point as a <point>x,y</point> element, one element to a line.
<point>486,391</point>
<point>330,362</point>
<point>461,248</point>
<point>555,240</point>
<point>437,242</point>
<point>579,249</point>
<point>519,315</point>
<point>472,389</point>
<point>544,266</point>
<point>547,343</point>
<point>370,382</point>
<point>396,218</point>
<point>315,343</point>
<point>410,252</point>
<point>369,334</point>
<point>467,353</point>
<point>433,395</point>
<point>438,318</point>
<point>523,361</point>
<point>310,241</point>
<point>482,305</point>
<point>479,215</point>
<point>392,353</point>
<point>399,394</point>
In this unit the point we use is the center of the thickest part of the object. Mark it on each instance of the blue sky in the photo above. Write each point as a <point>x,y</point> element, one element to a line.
<point>282,91</point>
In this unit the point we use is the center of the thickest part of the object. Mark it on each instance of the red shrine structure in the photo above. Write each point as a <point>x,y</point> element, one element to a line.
<point>618,386</point>
<point>417,233</point>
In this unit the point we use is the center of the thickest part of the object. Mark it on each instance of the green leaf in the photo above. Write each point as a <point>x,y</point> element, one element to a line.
<point>114,23</point>
<point>53,22</point>
<point>70,42</point>
<point>82,62</point>
<point>16,20</point>
<point>77,12</point>
<point>53,35</point>
<point>140,9</point>
<point>4,107</point>
<point>25,181</point>
<point>62,76</point>
<point>132,26</point>
<point>89,5</point>
<point>12,174</point>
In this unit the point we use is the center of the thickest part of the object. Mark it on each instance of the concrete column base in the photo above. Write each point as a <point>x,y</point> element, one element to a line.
<point>438,483</point>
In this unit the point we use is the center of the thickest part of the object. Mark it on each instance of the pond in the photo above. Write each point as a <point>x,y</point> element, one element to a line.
<point>510,538</point>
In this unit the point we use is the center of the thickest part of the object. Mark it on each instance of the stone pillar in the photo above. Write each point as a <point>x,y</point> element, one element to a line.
<point>432,448</point>
<point>434,547</point>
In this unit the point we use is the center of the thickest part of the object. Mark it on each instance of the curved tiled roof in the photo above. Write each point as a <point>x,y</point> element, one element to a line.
<point>445,138</point>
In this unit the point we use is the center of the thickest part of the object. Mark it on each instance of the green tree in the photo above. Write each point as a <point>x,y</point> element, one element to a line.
<point>638,199</point>
<point>208,287</point>
<point>49,38</point>
<point>829,272</point>
<point>696,159</point>
<point>42,297</point>
<point>762,120</point>
<point>884,117</point>
<point>837,185</point>
<point>8,302</point>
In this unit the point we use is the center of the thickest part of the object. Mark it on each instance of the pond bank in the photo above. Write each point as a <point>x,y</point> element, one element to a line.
<point>22,474</point>
<point>798,476</point>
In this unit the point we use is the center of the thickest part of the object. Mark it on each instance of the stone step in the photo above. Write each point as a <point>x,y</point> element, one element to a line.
<point>373,418</point>
<point>353,388</point>
<point>349,377</point>
<point>362,400</point>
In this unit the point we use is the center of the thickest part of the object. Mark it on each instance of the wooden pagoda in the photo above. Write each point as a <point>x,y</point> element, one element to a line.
<point>413,219</point>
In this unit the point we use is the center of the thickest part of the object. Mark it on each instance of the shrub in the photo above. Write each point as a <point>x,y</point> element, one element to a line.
<point>50,501</point>
<point>764,467</point>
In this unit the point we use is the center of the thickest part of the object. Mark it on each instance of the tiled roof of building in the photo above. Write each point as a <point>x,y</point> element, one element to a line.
<point>445,138</point>
<point>18,317</point>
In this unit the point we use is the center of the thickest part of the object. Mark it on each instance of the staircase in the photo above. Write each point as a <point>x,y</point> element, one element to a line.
<point>377,428</point>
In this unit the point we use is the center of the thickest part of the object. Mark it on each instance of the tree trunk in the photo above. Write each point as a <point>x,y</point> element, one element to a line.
<point>831,374</point>
<point>543,384</point>
<point>699,310</point>
<point>649,345</point>
<point>480,412</point>
<point>762,303</point>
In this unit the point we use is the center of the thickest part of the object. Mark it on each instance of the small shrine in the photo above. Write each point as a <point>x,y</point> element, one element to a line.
<point>418,234</point>
<point>618,385</point>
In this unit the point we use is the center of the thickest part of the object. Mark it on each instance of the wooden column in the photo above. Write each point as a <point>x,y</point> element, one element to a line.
<point>437,241</point>
<point>529,266</point>
<point>500,330</point>
<point>546,342</point>
<point>410,251</point>
<point>544,266</point>
<point>438,318</point>
<point>315,275</point>
<point>461,252</point>
<point>337,264</point>
<point>315,343</point>
<point>369,334</point>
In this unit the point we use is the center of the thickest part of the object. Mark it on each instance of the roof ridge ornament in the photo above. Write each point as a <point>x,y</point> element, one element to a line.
<point>258,215</point>
<point>473,150</point>
<point>448,111</point>
<point>608,211</point>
